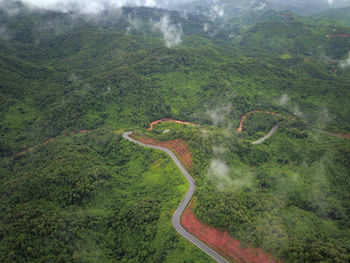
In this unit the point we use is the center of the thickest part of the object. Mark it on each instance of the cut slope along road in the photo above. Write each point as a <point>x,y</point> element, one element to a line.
<point>179,211</point>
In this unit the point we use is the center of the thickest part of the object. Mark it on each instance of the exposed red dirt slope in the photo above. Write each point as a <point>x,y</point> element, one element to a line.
<point>220,241</point>
<point>164,120</point>
<point>223,242</point>
<point>338,35</point>
<point>50,140</point>
<point>178,146</point>
<point>344,135</point>
<point>244,117</point>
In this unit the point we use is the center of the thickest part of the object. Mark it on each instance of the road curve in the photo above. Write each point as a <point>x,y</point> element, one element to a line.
<point>182,206</point>
<point>268,135</point>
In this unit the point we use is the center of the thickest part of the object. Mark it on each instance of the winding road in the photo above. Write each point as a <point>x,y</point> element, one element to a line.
<point>268,135</point>
<point>179,211</point>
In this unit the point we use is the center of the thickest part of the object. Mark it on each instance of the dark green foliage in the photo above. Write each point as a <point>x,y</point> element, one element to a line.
<point>87,198</point>
<point>259,123</point>
<point>95,197</point>
<point>288,195</point>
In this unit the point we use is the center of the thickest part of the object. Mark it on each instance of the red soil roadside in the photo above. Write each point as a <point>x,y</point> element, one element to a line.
<point>244,117</point>
<point>338,35</point>
<point>223,242</point>
<point>167,119</point>
<point>178,146</point>
<point>344,135</point>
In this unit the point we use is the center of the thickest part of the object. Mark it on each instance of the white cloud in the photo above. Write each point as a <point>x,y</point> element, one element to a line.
<point>95,6</point>
<point>205,27</point>
<point>134,23</point>
<point>86,6</point>
<point>226,178</point>
<point>220,172</point>
<point>345,63</point>
<point>218,114</point>
<point>218,10</point>
<point>73,78</point>
<point>260,7</point>
<point>172,34</point>
<point>284,100</point>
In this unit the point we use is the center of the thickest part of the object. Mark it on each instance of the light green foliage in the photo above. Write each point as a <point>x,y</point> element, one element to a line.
<point>92,197</point>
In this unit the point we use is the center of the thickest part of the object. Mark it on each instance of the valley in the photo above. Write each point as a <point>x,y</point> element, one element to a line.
<point>240,125</point>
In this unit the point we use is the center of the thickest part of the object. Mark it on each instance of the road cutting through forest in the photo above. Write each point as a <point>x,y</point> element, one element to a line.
<point>207,238</point>
<point>181,208</point>
<point>244,117</point>
<point>268,135</point>
<point>168,120</point>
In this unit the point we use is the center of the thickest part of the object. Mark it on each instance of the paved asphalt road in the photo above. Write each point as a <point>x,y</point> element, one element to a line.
<point>179,211</point>
<point>268,135</point>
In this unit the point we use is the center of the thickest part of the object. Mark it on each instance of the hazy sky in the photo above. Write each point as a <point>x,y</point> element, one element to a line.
<point>86,6</point>
<point>95,6</point>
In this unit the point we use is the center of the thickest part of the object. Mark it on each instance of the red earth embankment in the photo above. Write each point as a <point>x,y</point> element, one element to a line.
<point>178,146</point>
<point>222,242</point>
<point>244,117</point>
<point>165,120</point>
<point>338,35</point>
<point>344,135</point>
<point>49,140</point>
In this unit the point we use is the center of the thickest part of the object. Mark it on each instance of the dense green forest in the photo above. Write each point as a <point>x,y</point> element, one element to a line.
<point>257,125</point>
<point>93,197</point>
<point>288,196</point>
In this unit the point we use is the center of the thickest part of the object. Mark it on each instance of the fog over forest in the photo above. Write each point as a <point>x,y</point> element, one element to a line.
<point>96,6</point>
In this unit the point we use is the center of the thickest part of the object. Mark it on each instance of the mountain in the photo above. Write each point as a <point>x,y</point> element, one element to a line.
<point>341,15</point>
<point>223,9</point>
<point>302,7</point>
<point>230,9</point>
<point>71,83</point>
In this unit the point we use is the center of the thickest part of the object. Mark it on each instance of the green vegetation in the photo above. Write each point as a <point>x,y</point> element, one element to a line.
<point>96,197</point>
<point>288,195</point>
<point>92,197</point>
<point>341,15</point>
<point>258,125</point>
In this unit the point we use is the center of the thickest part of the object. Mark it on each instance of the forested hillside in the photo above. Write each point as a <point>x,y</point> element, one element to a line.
<point>92,196</point>
<point>288,196</point>
<point>62,73</point>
